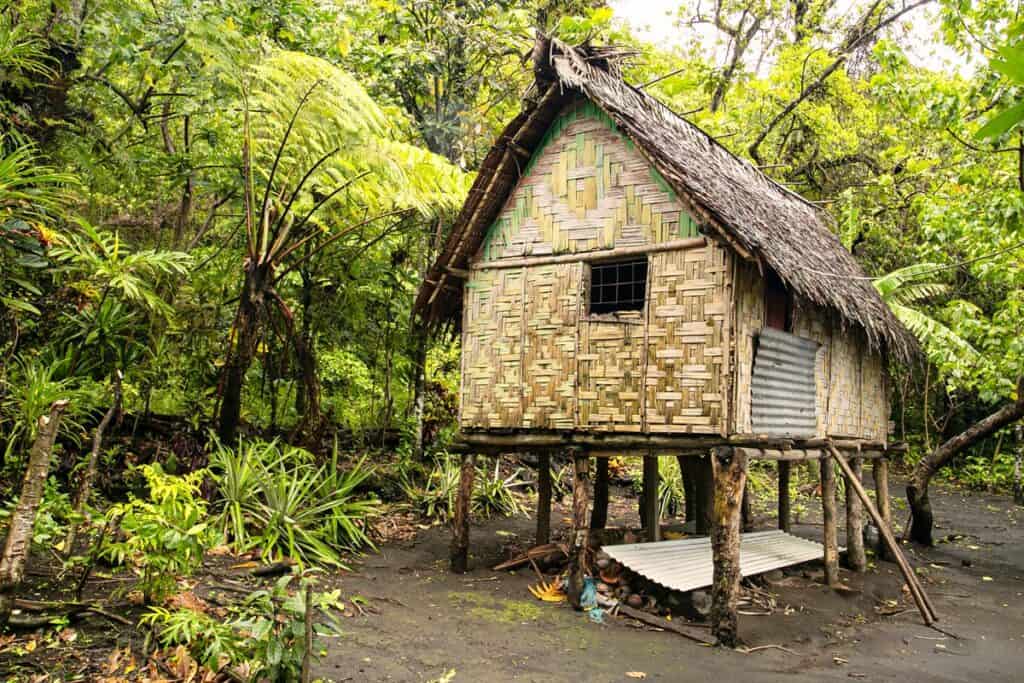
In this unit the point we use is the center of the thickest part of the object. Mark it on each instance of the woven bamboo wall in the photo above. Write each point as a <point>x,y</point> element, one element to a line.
<point>687,336</point>
<point>492,349</point>
<point>549,348</point>
<point>585,188</point>
<point>748,317</point>
<point>611,367</point>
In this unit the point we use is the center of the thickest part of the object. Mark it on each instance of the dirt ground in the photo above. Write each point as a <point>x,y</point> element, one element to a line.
<point>428,624</point>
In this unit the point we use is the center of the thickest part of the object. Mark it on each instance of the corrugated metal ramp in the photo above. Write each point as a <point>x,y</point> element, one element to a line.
<point>685,565</point>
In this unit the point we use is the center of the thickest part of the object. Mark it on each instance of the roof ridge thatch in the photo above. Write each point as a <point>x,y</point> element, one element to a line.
<point>760,218</point>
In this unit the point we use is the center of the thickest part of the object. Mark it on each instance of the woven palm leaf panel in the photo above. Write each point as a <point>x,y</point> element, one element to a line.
<point>874,417</point>
<point>845,385</point>
<point>585,188</point>
<point>492,349</point>
<point>749,319</point>
<point>687,337</point>
<point>549,348</point>
<point>611,372</point>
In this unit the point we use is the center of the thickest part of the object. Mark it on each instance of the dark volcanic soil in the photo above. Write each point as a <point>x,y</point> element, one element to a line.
<point>485,626</point>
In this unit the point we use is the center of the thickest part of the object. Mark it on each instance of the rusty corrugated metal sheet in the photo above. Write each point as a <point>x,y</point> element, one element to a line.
<point>685,565</point>
<point>782,389</point>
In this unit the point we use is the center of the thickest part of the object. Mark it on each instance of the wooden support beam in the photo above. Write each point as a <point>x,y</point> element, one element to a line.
<point>650,517</point>
<point>689,486</point>
<point>828,509</point>
<point>525,262</point>
<point>578,544</point>
<point>730,475</point>
<point>855,556</point>
<point>785,514</point>
<point>460,520</point>
<point>599,515</point>
<point>705,482</point>
<point>543,498</point>
<point>880,473</point>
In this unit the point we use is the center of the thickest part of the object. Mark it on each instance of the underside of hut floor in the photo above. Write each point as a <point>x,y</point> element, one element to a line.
<point>427,623</point>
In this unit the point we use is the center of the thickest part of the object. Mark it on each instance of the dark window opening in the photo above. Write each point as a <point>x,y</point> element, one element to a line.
<point>619,286</point>
<point>778,309</point>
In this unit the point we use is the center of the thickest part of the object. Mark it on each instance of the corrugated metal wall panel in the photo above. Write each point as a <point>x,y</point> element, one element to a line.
<point>782,388</point>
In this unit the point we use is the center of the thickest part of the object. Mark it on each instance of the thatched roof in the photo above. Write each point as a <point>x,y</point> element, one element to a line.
<point>734,201</point>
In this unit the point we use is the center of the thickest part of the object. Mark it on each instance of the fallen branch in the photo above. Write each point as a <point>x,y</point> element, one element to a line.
<point>653,620</point>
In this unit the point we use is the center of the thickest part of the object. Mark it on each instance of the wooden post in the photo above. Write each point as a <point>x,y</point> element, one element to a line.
<point>650,516</point>
<point>460,520</point>
<point>828,510</point>
<point>855,556</point>
<point>785,515</point>
<point>599,515</point>
<point>543,498</point>
<point>578,544</point>
<point>730,476</point>
<point>880,473</point>
<point>747,510</point>
<point>704,484</point>
<point>689,489</point>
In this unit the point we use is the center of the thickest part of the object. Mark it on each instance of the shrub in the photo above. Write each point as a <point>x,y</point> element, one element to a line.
<point>280,502</point>
<point>166,533</point>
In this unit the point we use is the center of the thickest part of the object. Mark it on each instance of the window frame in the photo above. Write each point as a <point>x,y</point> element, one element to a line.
<point>610,301</point>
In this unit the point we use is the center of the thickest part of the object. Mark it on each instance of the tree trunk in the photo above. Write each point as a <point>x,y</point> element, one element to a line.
<point>241,351</point>
<point>917,488</point>
<point>689,487</point>
<point>89,474</point>
<point>543,498</point>
<point>828,513</point>
<point>856,558</point>
<point>649,506</point>
<point>785,514</point>
<point>730,477</point>
<point>419,388</point>
<point>579,543</point>
<point>19,532</point>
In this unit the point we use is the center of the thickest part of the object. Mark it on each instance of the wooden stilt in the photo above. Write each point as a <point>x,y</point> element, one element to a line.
<point>705,480</point>
<point>460,520</point>
<point>578,547</point>
<point>689,489</point>
<point>730,476</point>
<point>785,515</point>
<point>828,509</point>
<point>880,473</point>
<point>543,498</point>
<point>747,510</point>
<point>855,557</point>
<point>651,517</point>
<point>599,515</point>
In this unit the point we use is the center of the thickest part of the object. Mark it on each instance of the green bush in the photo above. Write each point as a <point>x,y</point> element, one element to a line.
<point>435,498</point>
<point>277,499</point>
<point>166,533</point>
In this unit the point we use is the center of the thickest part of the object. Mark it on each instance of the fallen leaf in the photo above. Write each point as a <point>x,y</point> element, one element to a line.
<point>636,674</point>
<point>986,578</point>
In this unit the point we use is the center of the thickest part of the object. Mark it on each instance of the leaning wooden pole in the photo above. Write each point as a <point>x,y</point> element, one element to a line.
<point>828,510</point>
<point>460,520</point>
<point>856,558</point>
<point>578,545</point>
<point>19,531</point>
<point>924,604</point>
<point>880,473</point>
<point>730,477</point>
<point>543,498</point>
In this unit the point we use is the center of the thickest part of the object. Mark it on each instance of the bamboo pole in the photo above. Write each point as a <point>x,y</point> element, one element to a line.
<point>921,598</point>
